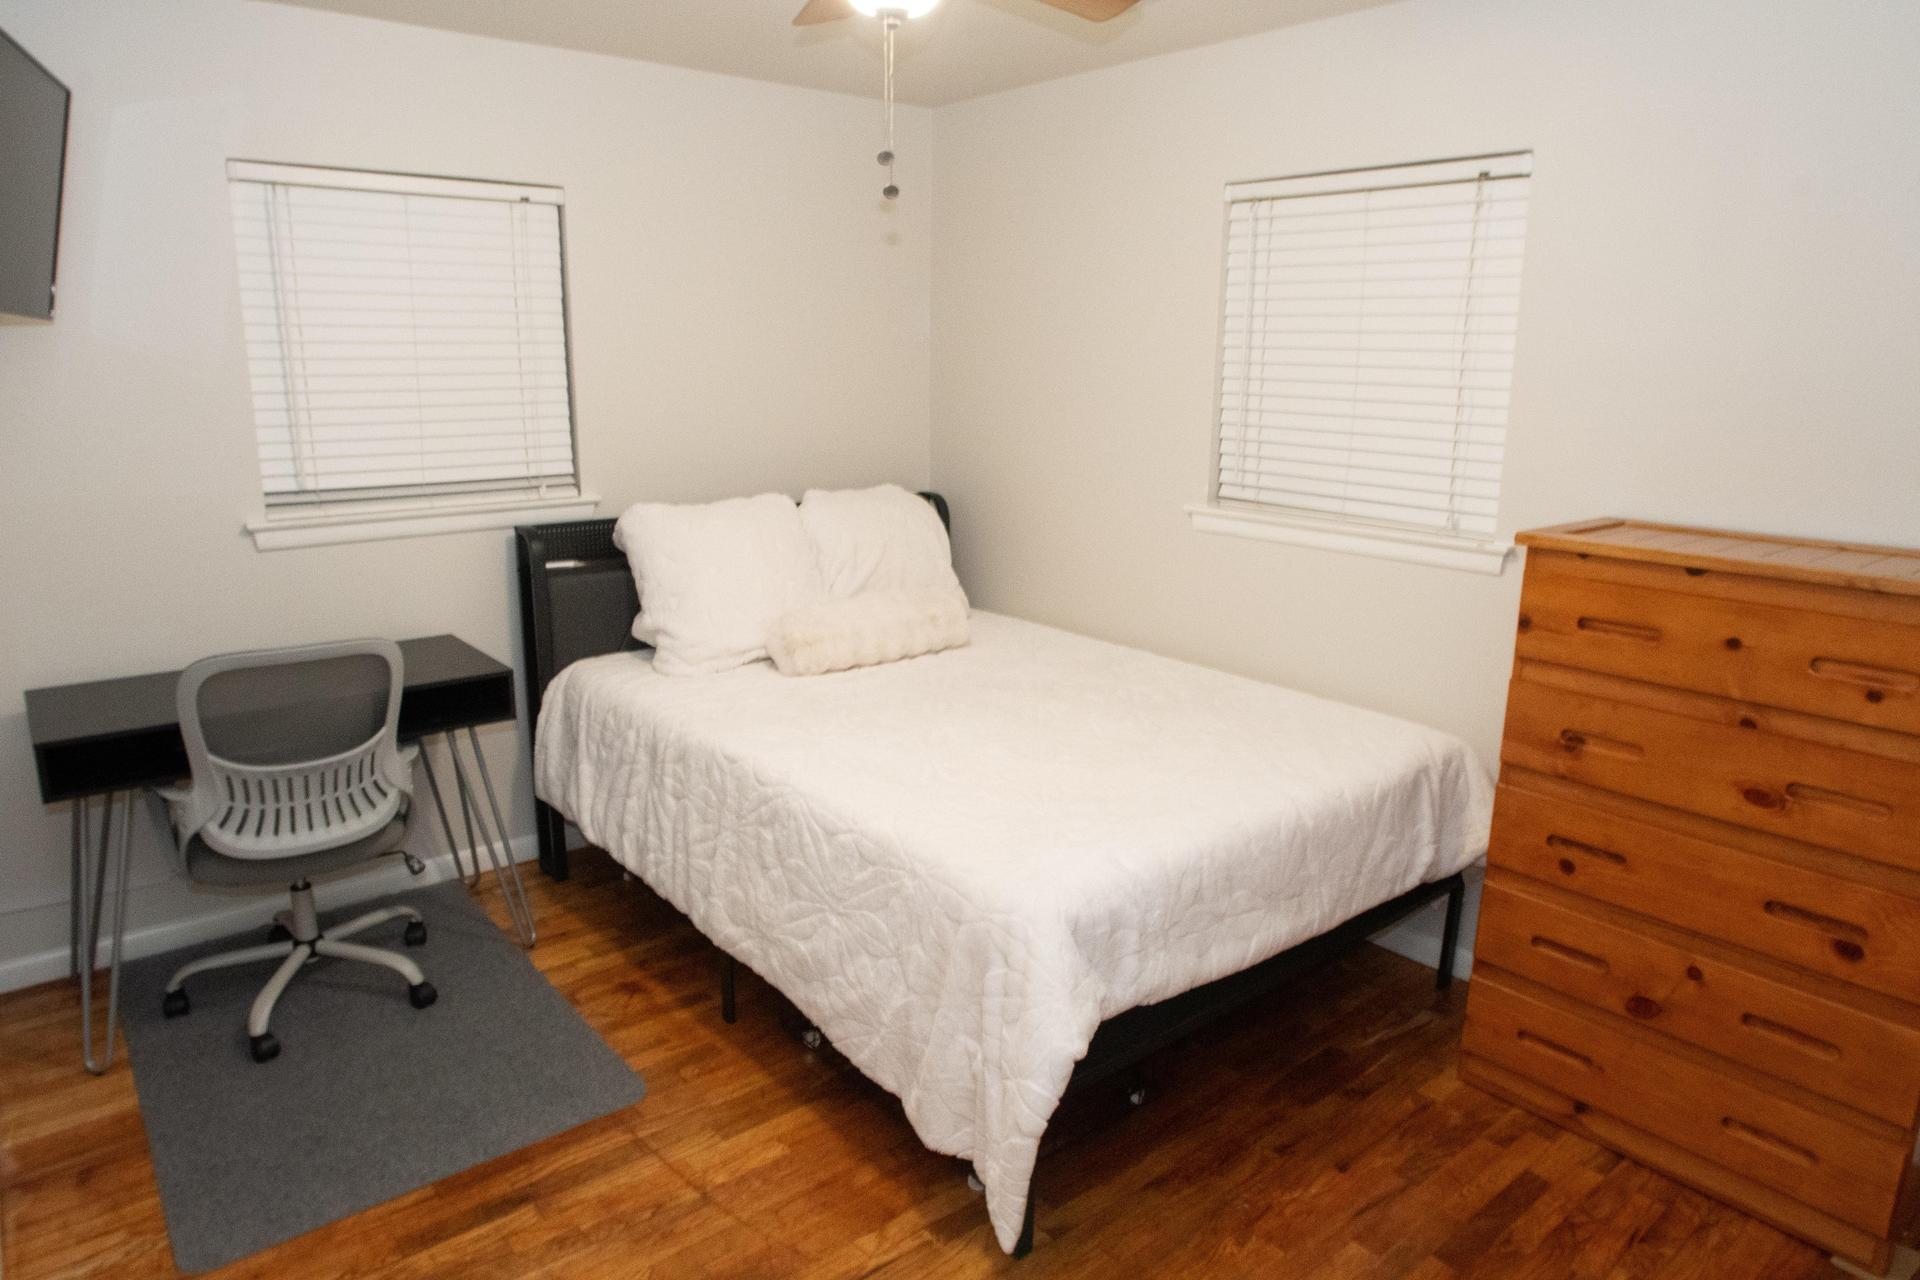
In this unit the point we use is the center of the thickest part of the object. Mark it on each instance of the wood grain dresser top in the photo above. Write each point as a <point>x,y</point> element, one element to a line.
<point>1863,568</point>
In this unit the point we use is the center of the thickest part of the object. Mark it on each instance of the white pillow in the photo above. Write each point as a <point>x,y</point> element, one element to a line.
<point>713,576</point>
<point>880,539</point>
<point>867,629</point>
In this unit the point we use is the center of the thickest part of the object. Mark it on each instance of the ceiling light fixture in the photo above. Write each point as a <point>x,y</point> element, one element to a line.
<point>905,8</point>
<point>894,12</point>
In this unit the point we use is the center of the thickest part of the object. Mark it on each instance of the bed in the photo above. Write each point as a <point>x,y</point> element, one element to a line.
<point>990,873</point>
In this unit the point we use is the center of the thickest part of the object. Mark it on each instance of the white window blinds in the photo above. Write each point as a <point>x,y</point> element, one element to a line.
<point>406,338</point>
<point>1367,339</point>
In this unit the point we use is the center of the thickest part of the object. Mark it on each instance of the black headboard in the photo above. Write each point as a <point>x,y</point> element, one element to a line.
<point>577,600</point>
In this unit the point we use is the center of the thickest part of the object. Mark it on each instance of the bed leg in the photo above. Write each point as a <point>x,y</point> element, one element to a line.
<point>727,967</point>
<point>1024,1245</point>
<point>1450,933</point>
<point>551,830</point>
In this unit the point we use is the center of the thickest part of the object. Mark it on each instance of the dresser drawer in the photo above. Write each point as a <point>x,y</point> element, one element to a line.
<point>1699,995</point>
<point>1738,763</point>
<point>1858,669</point>
<point>1622,853</point>
<point>1842,1169</point>
<point>1869,1250</point>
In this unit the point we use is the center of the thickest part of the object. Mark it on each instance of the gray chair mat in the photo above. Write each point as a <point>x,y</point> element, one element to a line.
<point>370,1098</point>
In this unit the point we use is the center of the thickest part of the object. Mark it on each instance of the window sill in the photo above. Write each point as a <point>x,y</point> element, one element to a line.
<point>1470,555</point>
<point>325,530</point>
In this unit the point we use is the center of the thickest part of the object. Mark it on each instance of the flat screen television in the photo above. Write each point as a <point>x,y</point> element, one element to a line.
<point>33,153</point>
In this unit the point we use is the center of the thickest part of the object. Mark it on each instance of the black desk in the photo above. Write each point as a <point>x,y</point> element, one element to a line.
<point>110,739</point>
<point>116,735</point>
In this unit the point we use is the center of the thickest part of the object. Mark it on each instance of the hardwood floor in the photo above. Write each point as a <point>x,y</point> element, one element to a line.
<point>1322,1135</point>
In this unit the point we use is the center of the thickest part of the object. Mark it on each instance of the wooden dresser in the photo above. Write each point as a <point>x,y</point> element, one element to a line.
<point>1700,939</point>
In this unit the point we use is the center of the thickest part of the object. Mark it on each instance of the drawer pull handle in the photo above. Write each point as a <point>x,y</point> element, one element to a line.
<point>1769,1141</point>
<point>1572,955</point>
<point>1813,919</point>
<point>1792,1035</point>
<point>1860,673</point>
<point>1624,630</point>
<point>1557,1049</point>
<point>1591,850</point>
<point>1807,793</point>
<point>1578,740</point>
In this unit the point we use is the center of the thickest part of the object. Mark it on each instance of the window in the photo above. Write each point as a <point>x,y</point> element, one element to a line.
<point>407,347</point>
<point>1366,346</point>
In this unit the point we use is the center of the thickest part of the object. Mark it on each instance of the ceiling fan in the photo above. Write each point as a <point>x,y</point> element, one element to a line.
<point>893,12</point>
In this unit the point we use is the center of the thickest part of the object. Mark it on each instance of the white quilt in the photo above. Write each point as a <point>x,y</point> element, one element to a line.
<point>958,865</point>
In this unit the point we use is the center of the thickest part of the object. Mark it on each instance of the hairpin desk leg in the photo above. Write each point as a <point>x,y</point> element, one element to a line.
<point>97,895</point>
<point>73,887</point>
<point>90,878</point>
<point>493,839</point>
<point>510,883</point>
<point>446,827</point>
<point>467,805</point>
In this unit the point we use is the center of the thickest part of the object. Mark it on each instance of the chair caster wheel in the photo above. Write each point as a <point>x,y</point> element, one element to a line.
<point>422,994</point>
<point>174,1003</point>
<point>265,1047</point>
<point>812,1038</point>
<point>277,932</point>
<point>416,934</point>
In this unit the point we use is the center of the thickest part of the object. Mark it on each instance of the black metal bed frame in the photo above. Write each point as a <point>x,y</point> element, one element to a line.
<point>577,600</point>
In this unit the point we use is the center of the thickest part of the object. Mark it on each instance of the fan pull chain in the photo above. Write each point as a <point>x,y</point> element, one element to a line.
<point>890,23</point>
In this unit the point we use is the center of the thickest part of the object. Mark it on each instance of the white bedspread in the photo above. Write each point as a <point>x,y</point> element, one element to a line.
<point>958,865</point>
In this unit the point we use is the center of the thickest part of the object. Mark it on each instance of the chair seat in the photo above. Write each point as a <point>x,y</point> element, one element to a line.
<point>206,866</point>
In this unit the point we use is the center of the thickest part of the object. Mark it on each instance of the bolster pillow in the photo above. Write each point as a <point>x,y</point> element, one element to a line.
<point>867,629</point>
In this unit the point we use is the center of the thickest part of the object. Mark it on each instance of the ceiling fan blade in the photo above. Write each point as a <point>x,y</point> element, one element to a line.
<point>818,11</point>
<point>1092,10</point>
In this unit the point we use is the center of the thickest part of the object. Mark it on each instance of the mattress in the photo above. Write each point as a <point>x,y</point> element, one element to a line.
<point>958,865</point>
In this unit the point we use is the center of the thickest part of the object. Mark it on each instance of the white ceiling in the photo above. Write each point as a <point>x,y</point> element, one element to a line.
<point>964,48</point>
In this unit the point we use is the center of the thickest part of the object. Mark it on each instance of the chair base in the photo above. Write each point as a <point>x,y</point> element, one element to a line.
<point>304,942</point>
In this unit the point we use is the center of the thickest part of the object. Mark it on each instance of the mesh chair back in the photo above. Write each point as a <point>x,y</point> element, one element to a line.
<point>293,751</point>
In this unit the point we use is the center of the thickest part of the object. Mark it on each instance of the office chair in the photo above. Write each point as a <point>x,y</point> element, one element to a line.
<point>297,772</point>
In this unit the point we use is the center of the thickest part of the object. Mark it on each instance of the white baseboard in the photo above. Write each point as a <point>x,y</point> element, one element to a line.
<point>234,913</point>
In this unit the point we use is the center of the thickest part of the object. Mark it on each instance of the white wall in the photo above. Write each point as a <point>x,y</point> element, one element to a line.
<point>747,314</point>
<point>1719,322</point>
